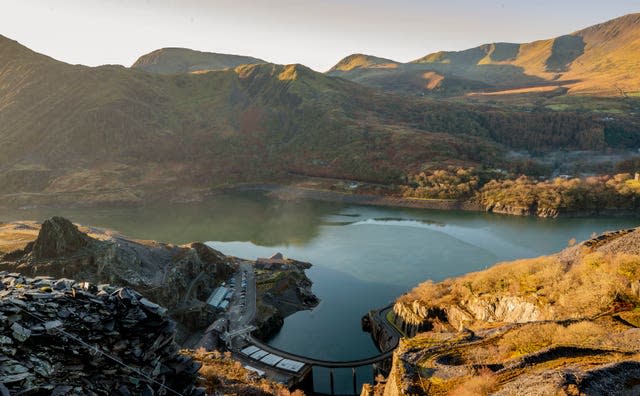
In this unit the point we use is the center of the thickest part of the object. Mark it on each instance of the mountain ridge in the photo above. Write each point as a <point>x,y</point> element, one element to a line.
<point>119,134</point>
<point>597,60</point>
<point>175,60</point>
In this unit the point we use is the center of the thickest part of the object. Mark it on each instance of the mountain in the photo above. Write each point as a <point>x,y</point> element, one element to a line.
<point>116,135</point>
<point>184,60</point>
<point>362,61</point>
<point>600,60</point>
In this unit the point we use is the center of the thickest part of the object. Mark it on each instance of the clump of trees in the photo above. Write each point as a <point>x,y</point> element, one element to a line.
<point>495,188</point>
<point>592,194</point>
<point>449,183</point>
<point>545,131</point>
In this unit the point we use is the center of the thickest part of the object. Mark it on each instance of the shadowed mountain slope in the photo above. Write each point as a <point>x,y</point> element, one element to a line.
<point>118,134</point>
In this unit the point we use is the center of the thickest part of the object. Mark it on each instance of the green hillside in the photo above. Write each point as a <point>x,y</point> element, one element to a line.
<point>117,135</point>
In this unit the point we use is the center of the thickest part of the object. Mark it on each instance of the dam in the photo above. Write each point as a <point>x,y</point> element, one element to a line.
<point>296,370</point>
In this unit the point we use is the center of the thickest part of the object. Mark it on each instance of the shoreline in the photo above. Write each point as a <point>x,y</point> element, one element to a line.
<point>286,192</point>
<point>296,192</point>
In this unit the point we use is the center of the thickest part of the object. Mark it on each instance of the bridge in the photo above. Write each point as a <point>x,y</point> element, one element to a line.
<point>373,361</point>
<point>324,363</point>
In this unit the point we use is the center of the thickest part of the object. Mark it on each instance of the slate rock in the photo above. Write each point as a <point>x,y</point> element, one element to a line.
<point>68,341</point>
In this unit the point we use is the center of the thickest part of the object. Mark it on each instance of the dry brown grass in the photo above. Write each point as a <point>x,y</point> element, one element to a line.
<point>530,339</point>
<point>223,375</point>
<point>588,284</point>
<point>512,353</point>
<point>591,284</point>
<point>482,384</point>
<point>17,235</point>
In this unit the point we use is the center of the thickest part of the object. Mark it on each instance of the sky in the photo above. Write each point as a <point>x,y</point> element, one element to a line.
<point>315,33</point>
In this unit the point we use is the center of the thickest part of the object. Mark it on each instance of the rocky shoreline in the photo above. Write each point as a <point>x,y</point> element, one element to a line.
<point>291,192</point>
<point>282,290</point>
<point>555,213</point>
<point>286,192</point>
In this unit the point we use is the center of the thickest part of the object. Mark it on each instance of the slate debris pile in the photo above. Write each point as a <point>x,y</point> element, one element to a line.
<point>59,337</point>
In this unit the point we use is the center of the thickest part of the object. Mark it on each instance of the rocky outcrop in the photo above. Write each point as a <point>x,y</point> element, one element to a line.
<point>61,337</point>
<point>178,277</point>
<point>533,210</point>
<point>471,363</point>
<point>416,317</point>
<point>614,379</point>
<point>552,213</point>
<point>58,237</point>
<point>502,307</point>
<point>268,325</point>
<point>284,289</point>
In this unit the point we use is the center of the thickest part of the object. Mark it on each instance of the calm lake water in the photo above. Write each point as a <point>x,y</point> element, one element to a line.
<point>363,257</point>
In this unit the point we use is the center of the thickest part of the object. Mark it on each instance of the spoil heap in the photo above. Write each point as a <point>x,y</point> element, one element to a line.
<point>61,337</point>
<point>180,278</point>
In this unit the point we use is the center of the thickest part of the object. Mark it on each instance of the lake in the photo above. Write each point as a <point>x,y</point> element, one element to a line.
<point>363,257</point>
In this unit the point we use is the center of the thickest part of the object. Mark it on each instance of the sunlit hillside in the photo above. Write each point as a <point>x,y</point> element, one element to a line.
<point>602,60</point>
<point>184,60</point>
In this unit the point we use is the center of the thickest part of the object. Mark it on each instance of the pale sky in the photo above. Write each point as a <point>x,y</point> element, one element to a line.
<point>315,33</point>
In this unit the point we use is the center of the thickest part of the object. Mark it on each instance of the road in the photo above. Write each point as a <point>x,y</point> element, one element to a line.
<point>395,335</point>
<point>242,310</point>
<point>251,295</point>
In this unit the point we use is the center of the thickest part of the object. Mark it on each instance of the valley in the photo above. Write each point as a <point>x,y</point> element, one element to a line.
<point>463,223</point>
<point>181,124</point>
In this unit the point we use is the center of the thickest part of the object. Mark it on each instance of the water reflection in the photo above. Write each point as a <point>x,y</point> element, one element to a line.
<point>249,217</point>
